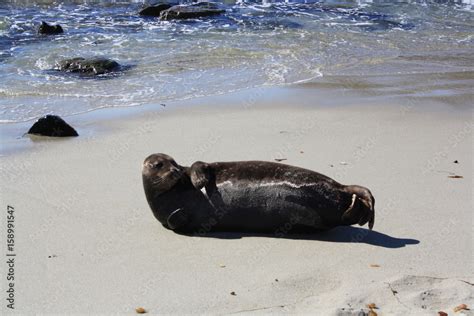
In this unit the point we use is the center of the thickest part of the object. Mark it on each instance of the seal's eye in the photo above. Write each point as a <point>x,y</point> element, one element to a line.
<point>157,165</point>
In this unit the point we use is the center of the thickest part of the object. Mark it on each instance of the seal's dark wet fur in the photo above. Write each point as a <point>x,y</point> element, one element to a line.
<point>250,196</point>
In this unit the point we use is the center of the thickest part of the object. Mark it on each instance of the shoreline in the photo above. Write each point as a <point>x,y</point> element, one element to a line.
<point>326,93</point>
<point>82,216</point>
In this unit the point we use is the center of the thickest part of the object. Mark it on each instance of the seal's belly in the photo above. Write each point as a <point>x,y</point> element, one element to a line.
<point>261,205</point>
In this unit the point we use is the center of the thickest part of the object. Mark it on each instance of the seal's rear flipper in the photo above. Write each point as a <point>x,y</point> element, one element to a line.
<point>362,205</point>
<point>177,219</point>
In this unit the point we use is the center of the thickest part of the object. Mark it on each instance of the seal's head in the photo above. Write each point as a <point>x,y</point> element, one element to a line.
<point>160,172</point>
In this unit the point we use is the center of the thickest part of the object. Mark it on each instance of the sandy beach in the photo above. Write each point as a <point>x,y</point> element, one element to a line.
<point>86,240</point>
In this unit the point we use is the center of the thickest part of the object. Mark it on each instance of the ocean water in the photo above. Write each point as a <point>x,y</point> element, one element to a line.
<point>416,48</point>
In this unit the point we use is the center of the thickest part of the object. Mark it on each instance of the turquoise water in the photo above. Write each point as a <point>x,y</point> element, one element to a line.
<point>253,44</point>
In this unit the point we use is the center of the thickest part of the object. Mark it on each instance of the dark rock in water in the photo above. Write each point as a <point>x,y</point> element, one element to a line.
<point>92,66</point>
<point>154,10</point>
<point>47,29</point>
<point>383,25</point>
<point>192,11</point>
<point>53,126</point>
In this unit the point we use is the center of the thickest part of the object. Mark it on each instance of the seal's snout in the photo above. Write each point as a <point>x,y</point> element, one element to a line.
<point>145,165</point>
<point>176,172</point>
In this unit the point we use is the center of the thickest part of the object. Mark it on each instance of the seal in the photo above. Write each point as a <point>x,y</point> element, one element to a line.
<point>250,196</point>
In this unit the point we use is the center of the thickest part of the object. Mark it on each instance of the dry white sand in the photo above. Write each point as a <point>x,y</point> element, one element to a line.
<point>86,240</point>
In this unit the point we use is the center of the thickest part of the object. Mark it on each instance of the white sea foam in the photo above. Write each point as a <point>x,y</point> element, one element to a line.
<point>251,45</point>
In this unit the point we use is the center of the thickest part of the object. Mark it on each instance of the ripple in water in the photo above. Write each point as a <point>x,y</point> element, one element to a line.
<point>252,44</point>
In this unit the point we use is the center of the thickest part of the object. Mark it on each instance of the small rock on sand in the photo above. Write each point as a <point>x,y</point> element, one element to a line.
<point>52,126</point>
<point>140,310</point>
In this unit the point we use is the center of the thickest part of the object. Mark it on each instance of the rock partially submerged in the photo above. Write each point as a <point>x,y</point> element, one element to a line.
<point>91,66</point>
<point>383,25</point>
<point>48,29</point>
<point>53,126</point>
<point>192,11</point>
<point>154,10</point>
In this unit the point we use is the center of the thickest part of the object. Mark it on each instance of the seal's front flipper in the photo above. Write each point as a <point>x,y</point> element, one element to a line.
<point>200,173</point>
<point>177,219</point>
